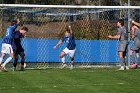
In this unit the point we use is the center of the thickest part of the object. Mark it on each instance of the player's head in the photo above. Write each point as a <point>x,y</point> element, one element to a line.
<point>120,22</point>
<point>23,30</point>
<point>13,22</point>
<point>67,33</point>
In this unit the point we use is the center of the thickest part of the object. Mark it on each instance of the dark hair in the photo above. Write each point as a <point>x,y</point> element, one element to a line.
<point>121,21</point>
<point>13,22</point>
<point>68,31</point>
<point>24,28</point>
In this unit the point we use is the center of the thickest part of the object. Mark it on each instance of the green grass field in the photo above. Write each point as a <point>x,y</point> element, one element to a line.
<point>70,81</point>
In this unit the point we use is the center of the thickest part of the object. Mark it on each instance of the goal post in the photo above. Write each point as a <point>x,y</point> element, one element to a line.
<point>91,26</point>
<point>70,6</point>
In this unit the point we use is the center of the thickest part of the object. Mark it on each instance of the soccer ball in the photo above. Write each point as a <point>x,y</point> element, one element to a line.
<point>134,66</point>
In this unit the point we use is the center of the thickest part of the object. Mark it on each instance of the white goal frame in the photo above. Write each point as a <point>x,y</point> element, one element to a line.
<point>75,7</point>
<point>70,6</point>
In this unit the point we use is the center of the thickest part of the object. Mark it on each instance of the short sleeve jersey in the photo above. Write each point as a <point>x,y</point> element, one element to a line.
<point>123,34</point>
<point>137,35</point>
<point>70,41</point>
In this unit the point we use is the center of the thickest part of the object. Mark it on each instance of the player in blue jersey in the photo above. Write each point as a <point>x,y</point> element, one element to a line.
<point>17,47</point>
<point>70,47</point>
<point>123,43</point>
<point>6,44</point>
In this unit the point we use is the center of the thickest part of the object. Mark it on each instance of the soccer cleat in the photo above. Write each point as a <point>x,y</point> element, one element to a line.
<point>22,68</point>
<point>71,67</point>
<point>14,68</point>
<point>64,65</point>
<point>134,66</point>
<point>4,69</point>
<point>122,68</point>
<point>127,68</point>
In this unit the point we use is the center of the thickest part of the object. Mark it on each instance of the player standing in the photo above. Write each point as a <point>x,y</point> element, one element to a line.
<point>7,44</point>
<point>70,47</point>
<point>136,46</point>
<point>17,47</point>
<point>123,43</point>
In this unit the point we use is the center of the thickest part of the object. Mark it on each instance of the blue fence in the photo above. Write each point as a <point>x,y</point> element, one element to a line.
<point>41,50</point>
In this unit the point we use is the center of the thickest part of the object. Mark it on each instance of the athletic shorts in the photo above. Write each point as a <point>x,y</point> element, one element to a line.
<point>122,46</point>
<point>71,53</point>
<point>18,50</point>
<point>136,46</point>
<point>6,48</point>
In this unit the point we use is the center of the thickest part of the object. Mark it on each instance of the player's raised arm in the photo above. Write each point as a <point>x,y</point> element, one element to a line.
<point>70,29</point>
<point>59,43</point>
<point>18,21</point>
<point>15,23</point>
<point>136,23</point>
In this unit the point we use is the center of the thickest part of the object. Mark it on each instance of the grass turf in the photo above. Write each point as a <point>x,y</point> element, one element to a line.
<point>70,81</point>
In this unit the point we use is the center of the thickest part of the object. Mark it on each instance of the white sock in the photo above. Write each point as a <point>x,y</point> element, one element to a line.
<point>63,60</point>
<point>1,60</point>
<point>127,67</point>
<point>7,61</point>
<point>72,62</point>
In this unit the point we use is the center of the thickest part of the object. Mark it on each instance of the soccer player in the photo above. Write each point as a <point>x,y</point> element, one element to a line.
<point>123,43</point>
<point>17,47</point>
<point>6,44</point>
<point>70,47</point>
<point>136,46</point>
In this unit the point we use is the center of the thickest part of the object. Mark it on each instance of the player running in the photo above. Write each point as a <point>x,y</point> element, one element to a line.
<point>123,43</point>
<point>17,47</point>
<point>70,47</point>
<point>6,44</point>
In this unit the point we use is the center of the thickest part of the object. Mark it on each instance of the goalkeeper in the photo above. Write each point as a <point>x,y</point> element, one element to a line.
<point>17,47</point>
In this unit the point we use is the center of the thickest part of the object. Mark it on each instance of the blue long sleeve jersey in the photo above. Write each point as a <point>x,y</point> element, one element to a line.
<point>17,40</point>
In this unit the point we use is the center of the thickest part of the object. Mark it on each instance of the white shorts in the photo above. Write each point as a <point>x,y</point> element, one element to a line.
<point>6,48</point>
<point>71,53</point>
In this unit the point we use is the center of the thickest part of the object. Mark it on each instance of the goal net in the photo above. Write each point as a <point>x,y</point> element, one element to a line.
<point>91,26</point>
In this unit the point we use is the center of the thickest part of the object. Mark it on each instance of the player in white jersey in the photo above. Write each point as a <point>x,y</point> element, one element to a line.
<point>70,47</point>
<point>7,44</point>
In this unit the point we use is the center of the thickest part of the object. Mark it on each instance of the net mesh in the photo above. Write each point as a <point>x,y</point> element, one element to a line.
<point>47,25</point>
